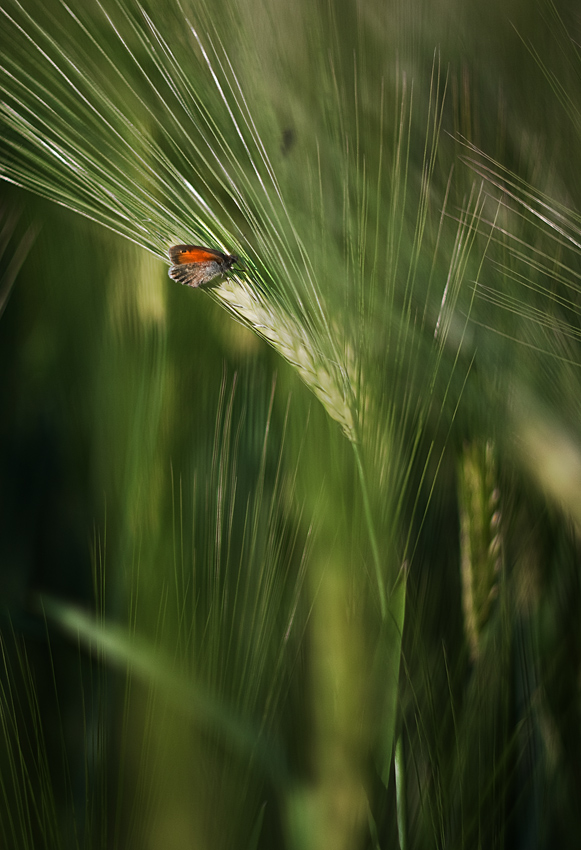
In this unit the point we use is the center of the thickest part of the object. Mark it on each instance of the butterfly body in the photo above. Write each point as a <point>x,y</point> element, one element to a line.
<point>194,265</point>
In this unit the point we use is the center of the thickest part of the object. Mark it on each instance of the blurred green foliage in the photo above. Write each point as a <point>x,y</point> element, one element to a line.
<point>163,468</point>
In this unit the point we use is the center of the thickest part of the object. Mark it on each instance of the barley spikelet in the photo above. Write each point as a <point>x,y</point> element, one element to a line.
<point>480,538</point>
<point>325,377</point>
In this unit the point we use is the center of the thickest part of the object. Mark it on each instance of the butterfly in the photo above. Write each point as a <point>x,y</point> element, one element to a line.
<point>193,265</point>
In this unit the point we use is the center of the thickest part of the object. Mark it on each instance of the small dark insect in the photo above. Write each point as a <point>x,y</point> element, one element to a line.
<point>288,141</point>
<point>194,265</point>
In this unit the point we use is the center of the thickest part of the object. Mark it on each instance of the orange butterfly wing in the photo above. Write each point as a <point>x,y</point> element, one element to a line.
<point>182,254</point>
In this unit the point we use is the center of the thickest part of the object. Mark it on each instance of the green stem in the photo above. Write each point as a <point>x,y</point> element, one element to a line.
<point>371,530</point>
<point>398,755</point>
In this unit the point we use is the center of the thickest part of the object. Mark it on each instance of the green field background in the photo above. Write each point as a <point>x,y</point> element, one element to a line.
<point>228,620</point>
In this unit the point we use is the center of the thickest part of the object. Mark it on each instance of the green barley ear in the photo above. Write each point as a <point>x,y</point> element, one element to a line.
<point>480,537</point>
<point>145,151</point>
<point>327,379</point>
<point>160,168</point>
